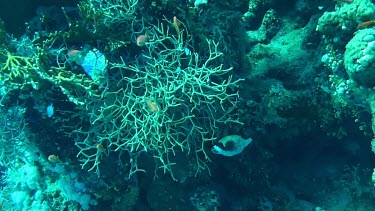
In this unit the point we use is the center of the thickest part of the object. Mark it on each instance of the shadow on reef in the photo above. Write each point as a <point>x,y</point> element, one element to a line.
<point>301,173</point>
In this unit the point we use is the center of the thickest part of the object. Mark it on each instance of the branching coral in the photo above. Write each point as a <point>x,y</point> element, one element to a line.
<point>13,140</point>
<point>20,71</point>
<point>168,101</point>
<point>102,20</point>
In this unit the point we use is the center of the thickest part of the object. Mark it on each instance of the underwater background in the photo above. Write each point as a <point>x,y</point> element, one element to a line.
<point>187,105</point>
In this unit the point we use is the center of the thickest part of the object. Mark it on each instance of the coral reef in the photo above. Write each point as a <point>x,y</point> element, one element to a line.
<point>131,105</point>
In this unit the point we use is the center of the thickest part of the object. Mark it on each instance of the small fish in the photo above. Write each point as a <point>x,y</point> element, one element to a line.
<point>50,110</point>
<point>366,24</point>
<point>101,149</point>
<point>152,106</point>
<point>54,159</point>
<point>187,51</point>
<point>72,53</point>
<point>142,39</point>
